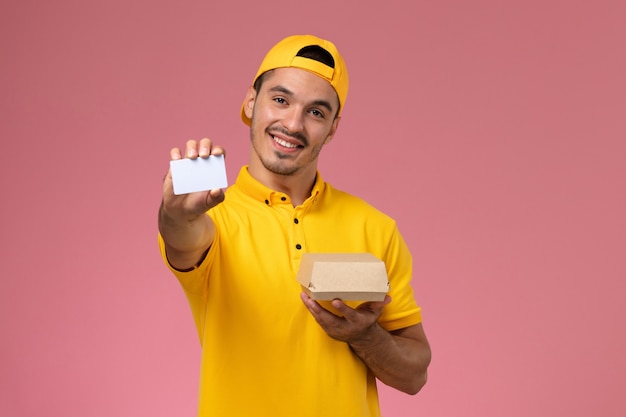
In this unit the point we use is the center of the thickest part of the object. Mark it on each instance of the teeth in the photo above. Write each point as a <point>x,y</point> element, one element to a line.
<point>284,143</point>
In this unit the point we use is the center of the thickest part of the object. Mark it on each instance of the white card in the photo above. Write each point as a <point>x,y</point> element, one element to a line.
<point>200,174</point>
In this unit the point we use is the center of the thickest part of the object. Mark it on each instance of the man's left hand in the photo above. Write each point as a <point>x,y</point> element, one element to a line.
<point>353,324</point>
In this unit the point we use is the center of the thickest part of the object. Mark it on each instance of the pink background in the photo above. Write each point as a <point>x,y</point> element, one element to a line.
<point>493,131</point>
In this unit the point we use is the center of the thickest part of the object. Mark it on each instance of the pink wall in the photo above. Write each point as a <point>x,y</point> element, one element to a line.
<point>494,132</point>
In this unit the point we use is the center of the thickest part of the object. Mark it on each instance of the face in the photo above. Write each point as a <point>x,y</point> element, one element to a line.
<point>293,117</point>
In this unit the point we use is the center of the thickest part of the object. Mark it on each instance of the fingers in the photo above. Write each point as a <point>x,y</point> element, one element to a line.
<point>311,304</point>
<point>207,148</point>
<point>192,204</point>
<point>349,324</point>
<point>325,318</point>
<point>175,154</point>
<point>194,149</point>
<point>375,307</point>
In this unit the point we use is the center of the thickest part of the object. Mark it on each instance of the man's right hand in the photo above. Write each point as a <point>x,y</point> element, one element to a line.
<point>189,206</point>
<point>186,229</point>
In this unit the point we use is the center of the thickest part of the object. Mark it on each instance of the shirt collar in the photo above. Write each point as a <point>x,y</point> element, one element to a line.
<point>252,187</point>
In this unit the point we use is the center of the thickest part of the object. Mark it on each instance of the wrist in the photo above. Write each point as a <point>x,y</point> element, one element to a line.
<point>370,339</point>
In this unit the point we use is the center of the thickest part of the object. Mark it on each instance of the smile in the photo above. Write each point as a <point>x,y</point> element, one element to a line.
<point>284,143</point>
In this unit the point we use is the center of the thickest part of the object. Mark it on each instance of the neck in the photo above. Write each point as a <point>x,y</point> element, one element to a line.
<point>297,186</point>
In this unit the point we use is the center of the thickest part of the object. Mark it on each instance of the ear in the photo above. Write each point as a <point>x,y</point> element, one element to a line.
<point>333,129</point>
<point>248,102</point>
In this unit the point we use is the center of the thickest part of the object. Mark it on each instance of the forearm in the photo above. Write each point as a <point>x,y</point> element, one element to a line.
<point>395,359</point>
<point>186,239</point>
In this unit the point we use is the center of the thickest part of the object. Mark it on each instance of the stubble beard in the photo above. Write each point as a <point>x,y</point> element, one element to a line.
<point>279,165</point>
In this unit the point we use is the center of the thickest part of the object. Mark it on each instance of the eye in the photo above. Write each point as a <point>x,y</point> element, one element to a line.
<point>317,113</point>
<point>280,100</point>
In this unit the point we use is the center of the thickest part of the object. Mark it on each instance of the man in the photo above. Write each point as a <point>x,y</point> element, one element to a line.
<point>268,349</point>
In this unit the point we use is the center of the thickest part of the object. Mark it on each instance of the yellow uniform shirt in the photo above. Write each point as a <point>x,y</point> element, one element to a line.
<point>263,353</point>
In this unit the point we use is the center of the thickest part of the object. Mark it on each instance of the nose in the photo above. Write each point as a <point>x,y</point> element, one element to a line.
<point>293,119</point>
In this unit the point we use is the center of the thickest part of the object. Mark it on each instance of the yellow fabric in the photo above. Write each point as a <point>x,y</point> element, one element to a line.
<point>263,354</point>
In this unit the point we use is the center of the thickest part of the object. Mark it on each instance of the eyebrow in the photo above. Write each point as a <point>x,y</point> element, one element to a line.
<point>288,92</point>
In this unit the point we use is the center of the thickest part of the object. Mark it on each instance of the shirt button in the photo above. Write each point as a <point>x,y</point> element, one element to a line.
<point>296,221</point>
<point>267,201</point>
<point>283,198</point>
<point>298,246</point>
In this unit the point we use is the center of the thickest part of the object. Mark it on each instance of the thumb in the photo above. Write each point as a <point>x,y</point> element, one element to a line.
<point>214,197</point>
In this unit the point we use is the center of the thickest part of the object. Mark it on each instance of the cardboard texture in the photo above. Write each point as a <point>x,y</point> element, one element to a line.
<point>348,276</point>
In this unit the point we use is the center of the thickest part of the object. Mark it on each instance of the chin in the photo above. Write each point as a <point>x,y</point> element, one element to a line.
<point>280,170</point>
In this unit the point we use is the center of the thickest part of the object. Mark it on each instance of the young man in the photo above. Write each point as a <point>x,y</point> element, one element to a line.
<point>268,349</point>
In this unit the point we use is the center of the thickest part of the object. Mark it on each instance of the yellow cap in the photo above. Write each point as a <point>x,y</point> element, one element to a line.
<point>292,52</point>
